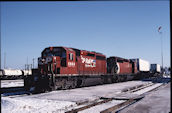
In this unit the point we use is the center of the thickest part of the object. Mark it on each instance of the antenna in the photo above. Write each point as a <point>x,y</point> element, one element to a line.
<point>33,62</point>
<point>4,60</point>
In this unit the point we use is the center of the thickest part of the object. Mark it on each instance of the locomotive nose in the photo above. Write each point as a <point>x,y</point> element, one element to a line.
<point>48,59</point>
<point>41,60</point>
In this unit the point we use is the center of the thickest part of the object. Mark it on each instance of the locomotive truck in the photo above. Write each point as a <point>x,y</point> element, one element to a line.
<point>64,68</point>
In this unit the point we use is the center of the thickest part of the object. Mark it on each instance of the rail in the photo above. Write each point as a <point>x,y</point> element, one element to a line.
<point>103,100</point>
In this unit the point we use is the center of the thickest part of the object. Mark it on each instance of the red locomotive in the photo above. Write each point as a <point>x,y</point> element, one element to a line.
<point>65,61</point>
<point>64,68</point>
<point>119,65</point>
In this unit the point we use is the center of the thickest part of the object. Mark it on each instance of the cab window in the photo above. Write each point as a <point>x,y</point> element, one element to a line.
<point>70,56</point>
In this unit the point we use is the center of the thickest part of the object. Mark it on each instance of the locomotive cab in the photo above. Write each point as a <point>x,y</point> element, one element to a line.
<point>57,60</point>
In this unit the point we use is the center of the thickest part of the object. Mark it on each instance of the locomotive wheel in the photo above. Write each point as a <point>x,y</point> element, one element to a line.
<point>102,80</point>
<point>64,86</point>
<point>74,84</point>
<point>107,80</point>
<point>124,78</point>
<point>117,79</point>
<point>110,80</point>
<point>114,79</point>
<point>79,82</point>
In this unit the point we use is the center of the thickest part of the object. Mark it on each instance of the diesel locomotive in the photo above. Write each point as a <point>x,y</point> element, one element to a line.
<point>64,68</point>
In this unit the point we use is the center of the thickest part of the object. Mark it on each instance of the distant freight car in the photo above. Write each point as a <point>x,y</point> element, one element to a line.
<point>12,72</point>
<point>6,74</point>
<point>155,68</point>
<point>27,72</point>
<point>143,66</point>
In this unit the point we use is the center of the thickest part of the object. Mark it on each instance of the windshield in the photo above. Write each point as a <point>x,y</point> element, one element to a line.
<point>56,52</point>
<point>50,54</point>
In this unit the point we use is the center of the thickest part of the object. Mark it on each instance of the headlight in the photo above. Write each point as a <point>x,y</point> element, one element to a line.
<point>40,61</point>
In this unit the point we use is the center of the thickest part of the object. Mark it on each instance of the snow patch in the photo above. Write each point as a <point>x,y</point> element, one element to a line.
<point>33,105</point>
<point>12,83</point>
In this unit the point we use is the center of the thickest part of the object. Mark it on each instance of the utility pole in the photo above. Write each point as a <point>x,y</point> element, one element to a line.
<point>4,60</point>
<point>162,51</point>
<point>160,32</point>
<point>27,61</point>
<point>27,64</point>
<point>0,43</point>
<point>33,62</point>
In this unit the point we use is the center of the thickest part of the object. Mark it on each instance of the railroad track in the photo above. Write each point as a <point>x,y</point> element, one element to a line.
<point>130,101</point>
<point>103,100</point>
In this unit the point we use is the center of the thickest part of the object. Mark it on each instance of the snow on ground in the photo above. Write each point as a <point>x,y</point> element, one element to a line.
<point>88,93</point>
<point>33,105</point>
<point>12,83</point>
<point>63,100</point>
<point>157,101</point>
<point>147,89</point>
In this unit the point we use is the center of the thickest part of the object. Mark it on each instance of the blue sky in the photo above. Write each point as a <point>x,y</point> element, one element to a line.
<point>127,29</point>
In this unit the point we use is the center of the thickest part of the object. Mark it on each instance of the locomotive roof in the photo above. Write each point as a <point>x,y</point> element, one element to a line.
<point>88,51</point>
<point>119,58</point>
<point>67,48</point>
